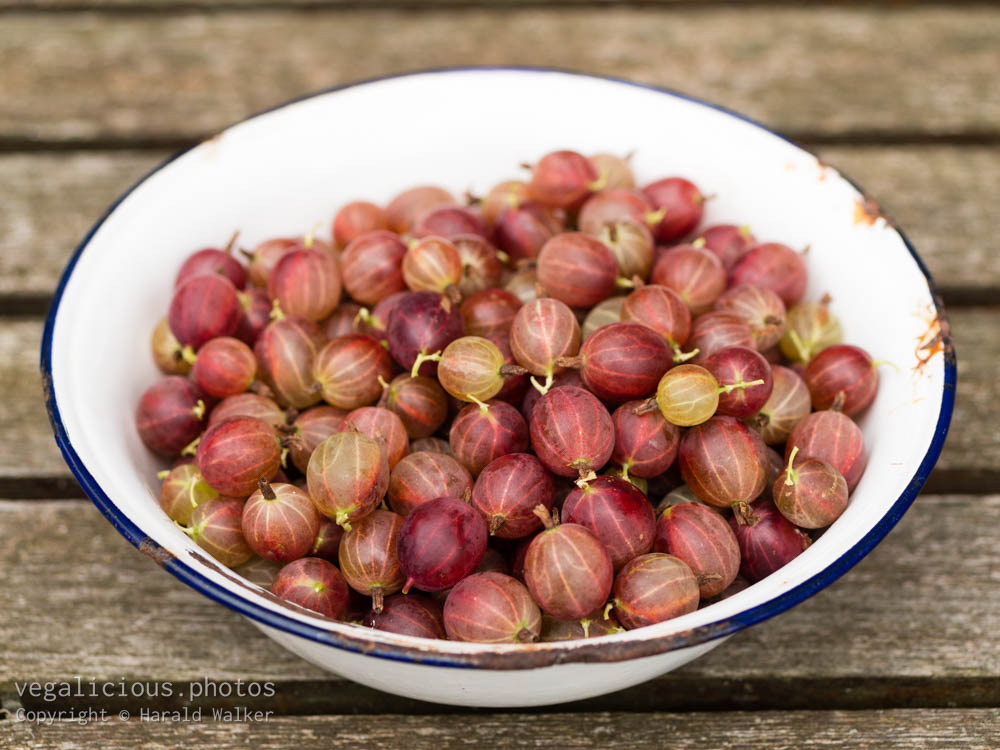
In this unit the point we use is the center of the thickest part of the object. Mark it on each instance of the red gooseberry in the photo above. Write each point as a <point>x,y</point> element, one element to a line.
<point>348,369</point>
<point>481,433</point>
<point>761,308</point>
<point>384,427</point>
<point>211,260</point>
<point>368,557</point>
<point>491,608</point>
<point>235,454</point>
<point>577,269</point>
<point>728,241</point>
<point>507,492</point>
<point>832,437</point>
<point>314,584</point>
<point>183,489</point>
<point>355,219</point>
<point>347,477</point>
<point>723,462</point>
<point>622,361</point>
<point>811,493</point>
<point>202,308</point>
<point>280,522</point>
<point>523,230</point>
<point>409,614</point>
<point>449,222</point>
<point>571,432</point>
<point>843,371</point>
<point>170,414</point>
<point>702,538</point>
<point>421,325</point>
<point>567,569</point>
<point>286,353</point>
<point>682,204</point>
<point>745,380</point>
<point>306,283</point>
<point>419,402</point>
<point>224,366</point>
<point>216,528</point>
<point>404,210</point>
<point>653,588</point>
<point>423,476</point>
<point>563,179</point>
<point>767,541</point>
<point>788,404</point>
<point>372,266</point>
<point>440,543</point>
<point>432,264</point>
<point>645,444</point>
<point>694,273</point>
<point>489,311</point>
<point>544,331</point>
<point>617,513</point>
<point>773,266</point>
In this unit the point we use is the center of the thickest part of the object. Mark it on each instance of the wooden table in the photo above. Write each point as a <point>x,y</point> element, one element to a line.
<point>902,652</point>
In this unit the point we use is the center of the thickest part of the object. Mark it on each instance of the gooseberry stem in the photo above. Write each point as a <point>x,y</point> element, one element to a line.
<point>276,313</point>
<point>586,478</point>
<point>307,241</point>
<point>742,384</point>
<point>655,217</point>
<point>266,490</point>
<point>199,410</point>
<point>800,348</point>
<point>364,316</point>
<point>483,406</point>
<point>607,610</point>
<point>600,183</point>
<point>191,448</point>
<point>543,389</point>
<point>647,407</point>
<point>421,358</point>
<point>791,476</point>
<point>512,371</point>
<point>549,519</point>
<point>680,356</point>
<point>341,519</point>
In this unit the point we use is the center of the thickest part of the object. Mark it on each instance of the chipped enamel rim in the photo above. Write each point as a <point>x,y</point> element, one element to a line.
<point>607,649</point>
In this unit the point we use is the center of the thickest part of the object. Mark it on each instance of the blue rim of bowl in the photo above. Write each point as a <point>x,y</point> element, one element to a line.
<point>506,657</point>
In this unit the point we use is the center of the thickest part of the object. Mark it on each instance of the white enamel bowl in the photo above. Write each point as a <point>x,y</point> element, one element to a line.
<point>282,171</point>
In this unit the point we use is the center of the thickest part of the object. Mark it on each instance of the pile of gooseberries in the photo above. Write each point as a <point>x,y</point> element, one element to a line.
<point>556,411</point>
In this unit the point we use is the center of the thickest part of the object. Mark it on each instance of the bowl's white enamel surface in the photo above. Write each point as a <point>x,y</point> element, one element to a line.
<point>281,172</point>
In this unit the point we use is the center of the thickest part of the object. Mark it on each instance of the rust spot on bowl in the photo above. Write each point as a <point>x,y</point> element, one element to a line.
<point>935,339</point>
<point>155,552</point>
<point>866,212</point>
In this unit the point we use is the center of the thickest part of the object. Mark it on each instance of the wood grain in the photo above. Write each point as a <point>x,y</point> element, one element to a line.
<point>939,195</point>
<point>31,465</point>
<point>830,730</point>
<point>81,601</point>
<point>86,77</point>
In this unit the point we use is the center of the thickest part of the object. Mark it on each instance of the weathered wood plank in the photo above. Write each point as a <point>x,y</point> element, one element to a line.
<point>187,6</point>
<point>825,71</point>
<point>830,730</point>
<point>80,601</point>
<point>942,196</point>
<point>31,465</point>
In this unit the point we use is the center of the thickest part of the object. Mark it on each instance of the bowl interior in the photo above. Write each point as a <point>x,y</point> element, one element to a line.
<point>282,172</point>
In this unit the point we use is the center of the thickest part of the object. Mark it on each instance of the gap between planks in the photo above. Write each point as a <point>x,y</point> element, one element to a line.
<point>768,730</point>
